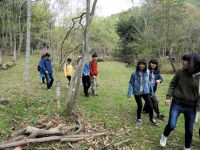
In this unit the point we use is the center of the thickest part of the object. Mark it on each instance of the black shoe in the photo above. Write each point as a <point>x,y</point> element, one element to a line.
<point>154,122</point>
<point>87,95</point>
<point>161,117</point>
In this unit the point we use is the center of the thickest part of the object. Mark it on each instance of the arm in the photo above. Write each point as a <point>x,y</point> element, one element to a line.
<point>172,86</point>
<point>90,65</point>
<point>160,77</point>
<point>131,85</point>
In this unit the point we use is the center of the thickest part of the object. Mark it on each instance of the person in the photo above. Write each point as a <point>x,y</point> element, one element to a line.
<point>139,85</point>
<point>47,68</point>
<point>86,78</point>
<point>68,70</point>
<point>182,95</point>
<point>155,78</point>
<point>43,51</point>
<point>94,73</point>
<point>42,73</point>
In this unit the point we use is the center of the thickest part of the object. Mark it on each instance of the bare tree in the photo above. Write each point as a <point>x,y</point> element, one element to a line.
<point>27,60</point>
<point>71,99</point>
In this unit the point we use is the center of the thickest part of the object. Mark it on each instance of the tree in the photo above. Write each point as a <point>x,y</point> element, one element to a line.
<point>71,99</point>
<point>27,60</point>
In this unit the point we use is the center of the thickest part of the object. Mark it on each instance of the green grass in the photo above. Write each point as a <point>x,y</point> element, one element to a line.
<point>111,109</point>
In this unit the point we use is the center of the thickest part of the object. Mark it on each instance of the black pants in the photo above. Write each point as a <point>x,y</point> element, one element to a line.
<point>49,79</point>
<point>69,79</point>
<point>43,79</point>
<point>154,102</point>
<point>147,99</point>
<point>86,84</point>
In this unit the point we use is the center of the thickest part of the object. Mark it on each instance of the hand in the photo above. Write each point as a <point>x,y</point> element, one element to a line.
<point>46,72</point>
<point>158,81</point>
<point>167,102</point>
<point>94,76</point>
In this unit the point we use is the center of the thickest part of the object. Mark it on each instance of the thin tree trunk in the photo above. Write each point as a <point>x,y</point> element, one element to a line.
<point>71,100</point>
<point>27,61</point>
<point>0,56</point>
<point>15,45</point>
<point>171,61</point>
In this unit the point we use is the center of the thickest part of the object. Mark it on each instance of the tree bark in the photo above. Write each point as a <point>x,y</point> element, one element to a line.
<point>27,59</point>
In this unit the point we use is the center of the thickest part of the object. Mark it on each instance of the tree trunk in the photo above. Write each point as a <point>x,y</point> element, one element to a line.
<point>27,61</point>
<point>15,45</point>
<point>71,100</point>
<point>0,56</point>
<point>171,61</point>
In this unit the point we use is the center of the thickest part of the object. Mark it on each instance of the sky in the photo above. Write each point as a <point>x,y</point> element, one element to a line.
<point>108,7</point>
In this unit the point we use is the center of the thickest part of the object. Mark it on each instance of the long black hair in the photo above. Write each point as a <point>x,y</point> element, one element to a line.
<point>153,61</point>
<point>141,61</point>
<point>194,62</point>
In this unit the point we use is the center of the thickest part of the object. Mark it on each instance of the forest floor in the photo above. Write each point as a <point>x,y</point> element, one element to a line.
<point>111,111</point>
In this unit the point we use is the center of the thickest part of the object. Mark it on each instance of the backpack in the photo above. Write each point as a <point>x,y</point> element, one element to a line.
<point>38,68</point>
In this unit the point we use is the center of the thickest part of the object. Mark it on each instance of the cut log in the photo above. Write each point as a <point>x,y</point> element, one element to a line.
<point>73,138</point>
<point>34,132</point>
<point>28,141</point>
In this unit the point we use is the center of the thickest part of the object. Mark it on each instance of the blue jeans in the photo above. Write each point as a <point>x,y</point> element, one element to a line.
<point>189,116</point>
<point>49,78</point>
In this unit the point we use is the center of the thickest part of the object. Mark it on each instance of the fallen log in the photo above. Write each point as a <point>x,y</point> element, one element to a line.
<point>73,138</point>
<point>29,141</point>
<point>34,132</point>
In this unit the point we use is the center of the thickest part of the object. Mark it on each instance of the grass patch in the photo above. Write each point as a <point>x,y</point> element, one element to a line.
<point>111,108</point>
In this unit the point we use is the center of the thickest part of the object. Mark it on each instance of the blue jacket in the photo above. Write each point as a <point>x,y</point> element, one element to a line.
<point>156,76</point>
<point>42,67</point>
<point>86,69</point>
<point>135,83</point>
<point>48,65</point>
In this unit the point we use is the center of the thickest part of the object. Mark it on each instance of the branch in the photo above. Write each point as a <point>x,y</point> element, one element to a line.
<point>93,10</point>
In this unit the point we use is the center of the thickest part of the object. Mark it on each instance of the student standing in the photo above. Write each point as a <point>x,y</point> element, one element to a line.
<point>139,85</point>
<point>47,67</point>
<point>155,78</point>
<point>86,78</point>
<point>68,70</point>
<point>94,74</point>
<point>182,95</point>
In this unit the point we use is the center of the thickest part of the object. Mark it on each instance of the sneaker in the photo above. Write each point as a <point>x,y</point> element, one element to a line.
<point>161,117</point>
<point>154,122</point>
<point>163,140</point>
<point>138,121</point>
<point>186,148</point>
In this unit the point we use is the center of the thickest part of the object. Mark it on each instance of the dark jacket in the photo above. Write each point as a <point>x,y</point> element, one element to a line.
<point>48,65</point>
<point>156,76</point>
<point>183,89</point>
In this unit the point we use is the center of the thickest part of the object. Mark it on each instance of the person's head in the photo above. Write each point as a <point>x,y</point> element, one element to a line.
<point>94,56</point>
<point>191,63</point>
<point>141,65</point>
<point>69,60</point>
<point>153,64</point>
<point>47,55</point>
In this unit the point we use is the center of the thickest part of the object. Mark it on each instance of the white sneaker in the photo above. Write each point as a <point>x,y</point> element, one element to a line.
<point>163,141</point>
<point>186,148</point>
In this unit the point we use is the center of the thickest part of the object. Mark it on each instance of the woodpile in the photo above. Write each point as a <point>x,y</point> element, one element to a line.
<point>45,132</point>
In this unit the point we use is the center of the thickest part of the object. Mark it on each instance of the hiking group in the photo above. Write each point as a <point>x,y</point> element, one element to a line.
<point>89,72</point>
<point>182,95</point>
